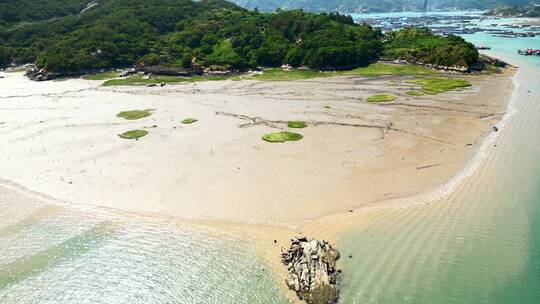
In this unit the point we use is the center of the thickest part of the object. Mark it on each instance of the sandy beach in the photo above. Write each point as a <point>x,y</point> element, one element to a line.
<point>60,139</point>
<point>531,21</point>
<point>60,145</point>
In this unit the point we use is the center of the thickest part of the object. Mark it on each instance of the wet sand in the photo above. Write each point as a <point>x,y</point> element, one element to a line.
<point>60,139</point>
<point>477,243</point>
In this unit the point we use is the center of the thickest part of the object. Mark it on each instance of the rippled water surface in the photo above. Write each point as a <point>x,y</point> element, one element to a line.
<point>49,254</point>
<point>482,244</point>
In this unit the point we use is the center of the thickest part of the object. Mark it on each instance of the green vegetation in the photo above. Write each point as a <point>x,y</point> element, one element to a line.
<point>278,74</point>
<point>135,114</point>
<point>138,79</point>
<point>280,137</point>
<point>434,85</point>
<point>134,134</point>
<point>14,11</point>
<point>189,121</point>
<point>101,76</point>
<point>415,93</point>
<point>296,124</point>
<point>381,98</point>
<point>188,35</point>
<point>420,45</point>
<point>184,33</point>
<point>380,69</point>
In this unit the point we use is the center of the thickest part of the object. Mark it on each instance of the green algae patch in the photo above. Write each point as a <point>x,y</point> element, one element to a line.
<point>296,124</point>
<point>279,137</point>
<point>277,74</point>
<point>438,85</point>
<point>133,134</point>
<point>382,69</point>
<point>273,74</point>
<point>381,98</point>
<point>101,76</point>
<point>415,93</point>
<point>140,80</point>
<point>135,114</point>
<point>189,121</point>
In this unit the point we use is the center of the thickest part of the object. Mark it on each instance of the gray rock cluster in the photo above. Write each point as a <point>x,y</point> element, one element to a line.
<point>312,270</point>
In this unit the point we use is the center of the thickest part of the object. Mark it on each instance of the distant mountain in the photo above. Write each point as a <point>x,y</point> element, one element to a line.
<point>517,11</point>
<point>369,6</point>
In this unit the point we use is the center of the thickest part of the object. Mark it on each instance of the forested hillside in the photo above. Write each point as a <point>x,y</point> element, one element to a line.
<point>12,11</point>
<point>420,45</point>
<point>213,34</point>
<point>121,33</point>
<point>363,6</point>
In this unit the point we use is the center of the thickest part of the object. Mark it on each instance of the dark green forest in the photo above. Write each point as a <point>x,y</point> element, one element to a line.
<point>181,33</point>
<point>13,11</point>
<point>418,44</point>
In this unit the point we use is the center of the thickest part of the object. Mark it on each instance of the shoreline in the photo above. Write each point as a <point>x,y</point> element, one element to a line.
<point>342,157</point>
<point>448,186</point>
<point>318,227</point>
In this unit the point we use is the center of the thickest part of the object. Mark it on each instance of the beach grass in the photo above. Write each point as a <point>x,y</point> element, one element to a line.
<point>138,80</point>
<point>101,76</point>
<point>135,114</point>
<point>381,98</point>
<point>279,137</point>
<point>382,69</point>
<point>277,74</point>
<point>133,134</point>
<point>415,93</point>
<point>296,124</point>
<point>189,121</point>
<point>437,85</point>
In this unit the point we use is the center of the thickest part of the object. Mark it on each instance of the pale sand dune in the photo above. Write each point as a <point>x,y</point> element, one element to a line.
<point>60,139</point>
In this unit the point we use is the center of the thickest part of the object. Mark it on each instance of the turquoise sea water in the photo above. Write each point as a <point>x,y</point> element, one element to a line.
<point>482,244</point>
<point>52,254</point>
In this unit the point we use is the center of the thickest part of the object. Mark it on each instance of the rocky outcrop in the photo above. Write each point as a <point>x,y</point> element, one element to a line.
<point>312,270</point>
<point>37,74</point>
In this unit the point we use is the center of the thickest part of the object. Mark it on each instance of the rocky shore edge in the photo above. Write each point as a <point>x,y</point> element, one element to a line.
<point>312,270</point>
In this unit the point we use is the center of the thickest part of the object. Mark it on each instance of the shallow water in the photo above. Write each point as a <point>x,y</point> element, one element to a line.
<point>50,254</point>
<point>482,244</point>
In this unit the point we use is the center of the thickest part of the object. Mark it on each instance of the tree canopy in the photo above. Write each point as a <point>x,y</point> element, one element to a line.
<point>181,33</point>
<point>420,45</point>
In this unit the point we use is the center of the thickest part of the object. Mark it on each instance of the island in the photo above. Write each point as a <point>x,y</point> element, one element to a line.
<point>515,11</point>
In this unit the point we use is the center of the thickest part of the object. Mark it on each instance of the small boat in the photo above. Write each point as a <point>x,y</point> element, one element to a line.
<point>483,47</point>
<point>529,52</point>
